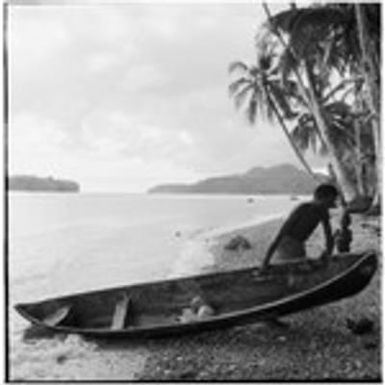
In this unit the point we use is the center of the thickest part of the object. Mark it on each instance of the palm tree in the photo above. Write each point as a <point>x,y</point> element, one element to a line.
<point>369,66</point>
<point>259,89</point>
<point>342,130</point>
<point>315,51</point>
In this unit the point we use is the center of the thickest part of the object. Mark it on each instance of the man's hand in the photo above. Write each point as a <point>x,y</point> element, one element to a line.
<point>265,266</point>
<point>325,255</point>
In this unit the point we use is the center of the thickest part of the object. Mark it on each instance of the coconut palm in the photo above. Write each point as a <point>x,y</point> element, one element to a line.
<point>258,89</point>
<point>316,49</point>
<point>370,49</point>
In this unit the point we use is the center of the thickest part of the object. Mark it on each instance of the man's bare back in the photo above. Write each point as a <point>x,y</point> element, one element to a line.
<point>298,227</point>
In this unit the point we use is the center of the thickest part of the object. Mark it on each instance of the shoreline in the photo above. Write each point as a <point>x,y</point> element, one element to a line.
<point>200,253</point>
<point>317,345</point>
<point>260,234</point>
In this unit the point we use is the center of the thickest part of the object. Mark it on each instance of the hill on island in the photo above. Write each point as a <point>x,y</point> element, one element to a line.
<point>282,179</point>
<point>38,184</point>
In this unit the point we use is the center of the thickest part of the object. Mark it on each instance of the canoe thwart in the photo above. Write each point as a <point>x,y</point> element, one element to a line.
<point>119,317</point>
<point>58,316</point>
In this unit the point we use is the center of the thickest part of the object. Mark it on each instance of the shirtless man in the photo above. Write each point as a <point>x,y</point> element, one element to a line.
<point>289,244</point>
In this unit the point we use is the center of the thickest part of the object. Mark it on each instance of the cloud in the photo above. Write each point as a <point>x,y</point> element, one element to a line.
<point>36,144</point>
<point>28,131</point>
<point>102,61</point>
<point>163,22</point>
<point>144,77</point>
<point>138,90</point>
<point>30,44</point>
<point>116,134</point>
<point>115,155</point>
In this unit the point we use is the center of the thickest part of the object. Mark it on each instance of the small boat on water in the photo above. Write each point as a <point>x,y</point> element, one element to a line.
<point>233,298</point>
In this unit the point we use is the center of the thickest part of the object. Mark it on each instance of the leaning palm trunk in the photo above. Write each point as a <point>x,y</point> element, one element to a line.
<point>360,163</point>
<point>369,71</point>
<point>358,155</point>
<point>290,139</point>
<point>347,186</point>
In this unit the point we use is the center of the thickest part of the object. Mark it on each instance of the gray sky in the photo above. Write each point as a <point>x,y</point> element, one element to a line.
<point>122,97</point>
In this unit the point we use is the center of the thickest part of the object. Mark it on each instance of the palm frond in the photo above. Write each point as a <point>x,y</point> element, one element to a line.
<point>295,21</point>
<point>339,107</point>
<point>266,110</point>
<point>282,101</point>
<point>287,64</point>
<point>235,86</point>
<point>306,133</point>
<point>251,111</point>
<point>305,119</point>
<point>339,87</point>
<point>242,95</point>
<point>300,137</point>
<point>294,96</point>
<point>238,66</point>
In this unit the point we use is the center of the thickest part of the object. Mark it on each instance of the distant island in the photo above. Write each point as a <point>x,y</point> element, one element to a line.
<point>39,184</point>
<point>282,179</point>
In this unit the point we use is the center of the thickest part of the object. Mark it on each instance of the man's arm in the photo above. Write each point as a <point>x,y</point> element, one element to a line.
<point>271,250</point>
<point>329,240</point>
<point>293,217</point>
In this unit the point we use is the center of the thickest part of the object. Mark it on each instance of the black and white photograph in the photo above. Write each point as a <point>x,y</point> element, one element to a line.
<point>193,191</point>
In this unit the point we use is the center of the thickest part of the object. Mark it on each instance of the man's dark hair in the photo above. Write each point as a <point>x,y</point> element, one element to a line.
<point>325,190</point>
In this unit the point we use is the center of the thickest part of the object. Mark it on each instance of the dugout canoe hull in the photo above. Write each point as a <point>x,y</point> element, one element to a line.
<point>237,297</point>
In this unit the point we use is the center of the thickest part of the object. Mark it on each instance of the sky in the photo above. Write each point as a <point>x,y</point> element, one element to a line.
<point>125,96</point>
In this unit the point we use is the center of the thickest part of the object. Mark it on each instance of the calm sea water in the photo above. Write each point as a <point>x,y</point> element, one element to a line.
<point>66,243</point>
<point>63,243</point>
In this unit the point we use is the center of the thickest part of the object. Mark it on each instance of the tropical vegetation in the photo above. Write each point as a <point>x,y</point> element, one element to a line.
<point>317,73</point>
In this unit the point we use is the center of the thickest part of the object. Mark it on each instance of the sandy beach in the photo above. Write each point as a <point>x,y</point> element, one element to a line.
<point>317,345</point>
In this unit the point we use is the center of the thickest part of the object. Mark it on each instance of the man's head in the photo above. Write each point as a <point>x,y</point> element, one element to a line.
<point>326,194</point>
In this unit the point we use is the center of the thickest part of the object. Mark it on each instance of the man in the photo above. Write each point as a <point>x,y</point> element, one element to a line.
<point>290,241</point>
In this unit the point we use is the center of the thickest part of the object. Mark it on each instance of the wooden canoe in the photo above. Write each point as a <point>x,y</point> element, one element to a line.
<point>236,297</point>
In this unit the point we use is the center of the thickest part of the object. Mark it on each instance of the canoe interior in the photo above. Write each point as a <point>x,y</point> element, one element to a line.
<point>161,303</point>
